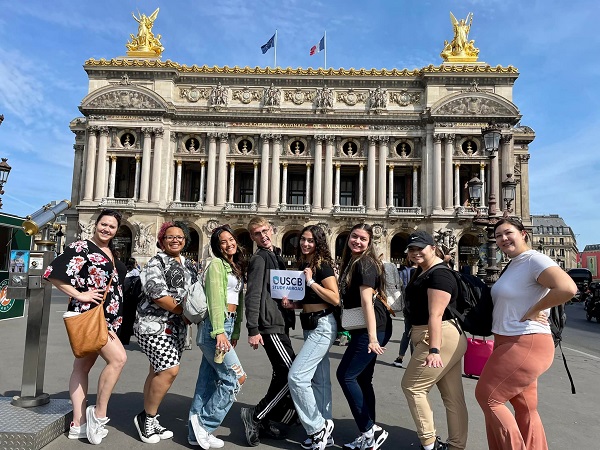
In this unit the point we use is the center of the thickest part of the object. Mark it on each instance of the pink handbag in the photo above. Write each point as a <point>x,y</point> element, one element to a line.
<point>478,352</point>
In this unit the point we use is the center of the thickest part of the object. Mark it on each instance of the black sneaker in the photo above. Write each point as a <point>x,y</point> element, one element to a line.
<point>268,429</point>
<point>251,426</point>
<point>438,444</point>
<point>144,425</point>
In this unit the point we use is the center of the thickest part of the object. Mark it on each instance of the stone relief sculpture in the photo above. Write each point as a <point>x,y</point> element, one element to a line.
<point>143,238</point>
<point>474,106</point>
<point>272,96</point>
<point>145,43</point>
<point>246,95</point>
<point>125,99</point>
<point>218,96</point>
<point>86,231</point>
<point>324,98</point>
<point>446,240</point>
<point>405,98</point>
<point>378,98</point>
<point>461,49</point>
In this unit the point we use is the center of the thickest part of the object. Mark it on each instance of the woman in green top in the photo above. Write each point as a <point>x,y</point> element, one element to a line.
<point>219,380</point>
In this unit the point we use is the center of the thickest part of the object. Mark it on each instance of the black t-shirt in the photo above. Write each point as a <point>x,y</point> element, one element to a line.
<point>322,272</point>
<point>416,293</point>
<point>364,273</point>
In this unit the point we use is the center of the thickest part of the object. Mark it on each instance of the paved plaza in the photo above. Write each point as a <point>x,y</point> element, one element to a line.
<point>570,420</point>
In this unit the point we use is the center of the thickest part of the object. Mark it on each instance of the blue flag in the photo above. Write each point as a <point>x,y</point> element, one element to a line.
<point>270,43</point>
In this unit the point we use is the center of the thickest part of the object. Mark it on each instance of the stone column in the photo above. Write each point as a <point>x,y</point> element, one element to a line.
<point>507,164</point>
<point>328,185</point>
<point>254,182</point>
<point>383,152</point>
<point>448,179</point>
<point>222,170</point>
<point>231,180</point>
<point>307,195</point>
<point>76,187</point>
<point>101,169</point>
<point>456,185</point>
<point>284,184</point>
<point>522,200</point>
<point>337,184</point>
<point>415,186</point>
<point>391,186</point>
<point>178,181</point>
<point>113,176</point>
<point>202,176</point>
<point>494,183</point>
<point>317,192</point>
<point>427,172</point>
<point>146,162</point>
<point>264,172</point>
<point>275,171</point>
<point>371,182</point>
<point>437,172</point>
<point>361,185</point>
<point>484,189</point>
<point>211,169</point>
<point>156,165</point>
<point>136,187</point>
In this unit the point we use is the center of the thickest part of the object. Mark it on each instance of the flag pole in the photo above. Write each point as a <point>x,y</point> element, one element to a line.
<point>325,43</point>
<point>275,49</point>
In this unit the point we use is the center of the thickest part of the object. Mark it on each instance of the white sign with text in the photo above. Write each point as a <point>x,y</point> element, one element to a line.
<point>288,283</point>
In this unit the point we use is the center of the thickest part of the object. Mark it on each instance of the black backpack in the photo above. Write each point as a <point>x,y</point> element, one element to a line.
<point>473,307</point>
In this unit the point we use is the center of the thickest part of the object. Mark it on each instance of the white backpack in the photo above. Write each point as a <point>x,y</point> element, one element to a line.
<point>195,308</point>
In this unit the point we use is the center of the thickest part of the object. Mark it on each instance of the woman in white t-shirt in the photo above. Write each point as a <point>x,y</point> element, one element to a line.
<point>523,344</point>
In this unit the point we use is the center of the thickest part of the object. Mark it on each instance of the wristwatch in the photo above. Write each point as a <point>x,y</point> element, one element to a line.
<point>434,350</point>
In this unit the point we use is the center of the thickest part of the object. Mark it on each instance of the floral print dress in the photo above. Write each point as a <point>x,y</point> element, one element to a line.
<point>84,266</point>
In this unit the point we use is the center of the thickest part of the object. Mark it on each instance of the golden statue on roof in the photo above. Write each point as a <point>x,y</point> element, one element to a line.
<point>145,44</point>
<point>461,49</point>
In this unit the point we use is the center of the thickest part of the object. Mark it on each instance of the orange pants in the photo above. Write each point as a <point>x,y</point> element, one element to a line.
<point>510,375</point>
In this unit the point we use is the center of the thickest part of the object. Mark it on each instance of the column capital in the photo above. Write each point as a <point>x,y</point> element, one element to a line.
<point>307,164</point>
<point>437,137</point>
<point>482,165</point>
<point>338,165</point>
<point>361,166</point>
<point>202,163</point>
<point>113,157</point>
<point>212,137</point>
<point>174,136</point>
<point>318,137</point>
<point>416,167</point>
<point>266,136</point>
<point>284,164</point>
<point>147,131</point>
<point>391,166</point>
<point>179,162</point>
<point>384,139</point>
<point>223,136</point>
<point>232,163</point>
<point>103,131</point>
<point>78,147</point>
<point>456,164</point>
<point>450,138</point>
<point>373,139</point>
<point>506,138</point>
<point>159,132</point>
<point>138,158</point>
<point>330,139</point>
<point>277,138</point>
<point>255,163</point>
<point>524,158</point>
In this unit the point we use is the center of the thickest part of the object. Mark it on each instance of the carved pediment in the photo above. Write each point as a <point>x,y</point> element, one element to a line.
<point>125,99</point>
<point>475,104</point>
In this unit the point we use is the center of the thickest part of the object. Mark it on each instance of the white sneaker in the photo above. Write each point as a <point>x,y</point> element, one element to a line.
<point>319,439</point>
<point>202,436</point>
<point>80,432</point>
<point>214,442</point>
<point>307,443</point>
<point>95,426</point>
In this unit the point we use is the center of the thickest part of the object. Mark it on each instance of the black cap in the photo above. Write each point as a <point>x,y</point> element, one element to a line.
<point>420,239</point>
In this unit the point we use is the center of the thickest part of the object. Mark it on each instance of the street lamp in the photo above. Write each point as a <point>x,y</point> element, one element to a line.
<point>475,191</point>
<point>4,172</point>
<point>509,191</point>
<point>491,137</point>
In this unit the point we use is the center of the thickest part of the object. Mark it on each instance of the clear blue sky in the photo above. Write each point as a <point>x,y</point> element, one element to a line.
<point>554,44</point>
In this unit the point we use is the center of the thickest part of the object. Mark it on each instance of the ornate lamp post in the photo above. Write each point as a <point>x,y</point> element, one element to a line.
<point>4,172</point>
<point>509,191</point>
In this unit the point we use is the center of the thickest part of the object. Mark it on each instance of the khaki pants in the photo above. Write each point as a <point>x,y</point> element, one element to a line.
<point>418,381</point>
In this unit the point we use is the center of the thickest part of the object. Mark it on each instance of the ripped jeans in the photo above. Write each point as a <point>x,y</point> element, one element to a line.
<point>217,384</point>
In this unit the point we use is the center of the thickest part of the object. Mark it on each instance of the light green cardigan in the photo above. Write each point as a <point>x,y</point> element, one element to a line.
<point>216,297</point>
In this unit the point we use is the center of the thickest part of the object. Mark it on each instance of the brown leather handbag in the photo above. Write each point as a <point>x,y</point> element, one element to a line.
<point>88,331</point>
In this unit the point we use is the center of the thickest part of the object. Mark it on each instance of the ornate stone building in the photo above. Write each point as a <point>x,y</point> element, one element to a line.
<point>552,236</point>
<point>210,145</point>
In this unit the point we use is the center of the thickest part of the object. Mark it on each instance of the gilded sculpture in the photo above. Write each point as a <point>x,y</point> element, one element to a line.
<point>145,44</point>
<point>461,49</point>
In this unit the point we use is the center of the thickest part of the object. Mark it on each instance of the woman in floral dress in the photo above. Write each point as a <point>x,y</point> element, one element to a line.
<point>83,272</point>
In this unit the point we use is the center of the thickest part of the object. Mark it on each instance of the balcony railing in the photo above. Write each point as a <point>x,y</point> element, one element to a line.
<point>197,206</point>
<point>116,202</point>
<point>404,210</point>
<point>284,207</point>
<point>243,207</point>
<point>471,210</point>
<point>346,209</point>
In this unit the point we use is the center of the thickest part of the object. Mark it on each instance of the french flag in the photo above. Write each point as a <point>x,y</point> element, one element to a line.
<point>317,48</point>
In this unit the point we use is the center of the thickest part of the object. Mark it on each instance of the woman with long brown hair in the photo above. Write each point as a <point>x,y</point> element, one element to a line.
<point>362,277</point>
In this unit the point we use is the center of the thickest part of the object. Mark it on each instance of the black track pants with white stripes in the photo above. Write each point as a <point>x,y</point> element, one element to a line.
<point>277,404</point>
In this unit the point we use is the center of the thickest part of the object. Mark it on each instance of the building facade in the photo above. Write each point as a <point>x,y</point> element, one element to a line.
<point>589,258</point>
<point>210,145</point>
<point>553,237</point>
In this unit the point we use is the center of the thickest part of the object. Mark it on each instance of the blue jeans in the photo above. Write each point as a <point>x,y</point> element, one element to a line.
<point>217,384</point>
<point>308,378</point>
<point>355,375</point>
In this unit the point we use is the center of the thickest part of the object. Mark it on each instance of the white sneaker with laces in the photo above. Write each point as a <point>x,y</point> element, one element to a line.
<point>202,436</point>
<point>319,439</point>
<point>80,432</point>
<point>307,443</point>
<point>95,426</point>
